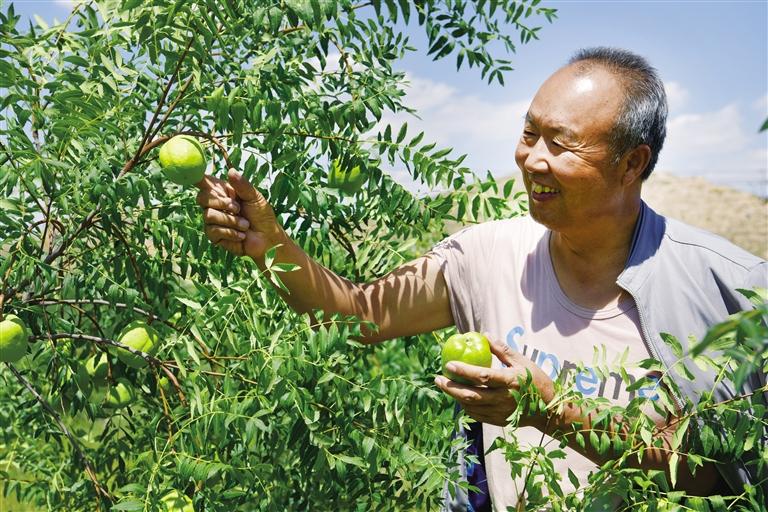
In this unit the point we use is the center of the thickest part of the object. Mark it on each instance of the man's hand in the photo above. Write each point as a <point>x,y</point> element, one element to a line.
<point>237,217</point>
<point>490,401</point>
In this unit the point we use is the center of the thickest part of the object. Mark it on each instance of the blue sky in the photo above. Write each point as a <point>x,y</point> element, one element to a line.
<point>712,56</point>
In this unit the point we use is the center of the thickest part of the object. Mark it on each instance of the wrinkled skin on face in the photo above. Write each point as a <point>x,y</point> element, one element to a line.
<point>565,147</point>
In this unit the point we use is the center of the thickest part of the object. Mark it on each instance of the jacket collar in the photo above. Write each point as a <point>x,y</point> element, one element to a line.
<point>646,240</point>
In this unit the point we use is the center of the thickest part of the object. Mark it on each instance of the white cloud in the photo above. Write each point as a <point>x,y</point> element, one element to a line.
<point>761,104</point>
<point>717,140</point>
<point>485,130</point>
<point>677,95</point>
<point>699,143</point>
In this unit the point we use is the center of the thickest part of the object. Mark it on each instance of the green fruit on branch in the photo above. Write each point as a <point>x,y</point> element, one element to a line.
<point>174,501</point>
<point>471,348</point>
<point>120,395</point>
<point>140,336</point>
<point>348,181</point>
<point>14,337</point>
<point>183,161</point>
<point>97,368</point>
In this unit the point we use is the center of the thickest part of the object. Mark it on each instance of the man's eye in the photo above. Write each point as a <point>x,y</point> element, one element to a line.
<point>528,133</point>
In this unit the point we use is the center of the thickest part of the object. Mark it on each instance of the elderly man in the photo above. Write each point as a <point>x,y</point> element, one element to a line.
<point>592,266</point>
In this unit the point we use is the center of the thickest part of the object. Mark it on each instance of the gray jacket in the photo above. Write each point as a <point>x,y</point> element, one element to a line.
<point>683,281</point>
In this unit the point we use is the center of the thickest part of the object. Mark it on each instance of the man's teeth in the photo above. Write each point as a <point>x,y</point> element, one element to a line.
<point>540,189</point>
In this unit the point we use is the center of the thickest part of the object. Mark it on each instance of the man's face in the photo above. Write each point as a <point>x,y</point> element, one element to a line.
<point>564,152</point>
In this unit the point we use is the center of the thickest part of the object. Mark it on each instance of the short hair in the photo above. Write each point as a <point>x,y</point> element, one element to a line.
<point>643,116</point>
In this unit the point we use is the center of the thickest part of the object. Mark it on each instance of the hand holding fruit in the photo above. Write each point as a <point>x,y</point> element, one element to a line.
<point>486,396</point>
<point>237,217</point>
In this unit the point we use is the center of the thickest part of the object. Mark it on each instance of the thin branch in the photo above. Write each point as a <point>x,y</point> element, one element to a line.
<point>139,151</point>
<point>100,490</point>
<point>132,259</point>
<point>106,341</point>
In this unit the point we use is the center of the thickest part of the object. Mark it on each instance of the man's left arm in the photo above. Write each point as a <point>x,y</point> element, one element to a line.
<point>491,402</point>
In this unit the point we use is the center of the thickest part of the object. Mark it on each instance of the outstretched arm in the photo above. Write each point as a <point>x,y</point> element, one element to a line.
<point>412,299</point>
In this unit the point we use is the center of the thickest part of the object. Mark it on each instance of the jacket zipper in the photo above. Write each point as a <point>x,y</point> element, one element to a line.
<point>650,345</point>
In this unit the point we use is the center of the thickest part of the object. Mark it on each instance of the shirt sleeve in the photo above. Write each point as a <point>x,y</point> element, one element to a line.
<point>462,262</point>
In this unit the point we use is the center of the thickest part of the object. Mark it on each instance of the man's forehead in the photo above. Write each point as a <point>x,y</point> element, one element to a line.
<point>541,121</point>
<point>573,98</point>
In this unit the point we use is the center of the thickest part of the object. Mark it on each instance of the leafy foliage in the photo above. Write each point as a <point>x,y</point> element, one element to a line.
<point>704,432</point>
<point>246,407</point>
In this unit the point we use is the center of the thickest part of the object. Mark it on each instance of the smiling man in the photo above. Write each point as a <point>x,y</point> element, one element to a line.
<point>592,266</point>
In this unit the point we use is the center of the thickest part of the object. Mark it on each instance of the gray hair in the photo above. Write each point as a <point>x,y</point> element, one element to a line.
<point>643,117</point>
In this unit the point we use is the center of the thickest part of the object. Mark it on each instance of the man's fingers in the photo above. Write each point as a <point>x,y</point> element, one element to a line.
<point>245,191</point>
<point>207,183</point>
<point>217,234</point>
<point>235,248</point>
<point>219,218</point>
<point>206,200</point>
<point>504,353</point>
<point>479,375</point>
<point>469,395</point>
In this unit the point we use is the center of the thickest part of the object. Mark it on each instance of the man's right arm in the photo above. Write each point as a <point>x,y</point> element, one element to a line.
<point>412,299</point>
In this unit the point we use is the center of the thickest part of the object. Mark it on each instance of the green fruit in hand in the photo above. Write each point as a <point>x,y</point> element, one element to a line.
<point>120,395</point>
<point>174,501</point>
<point>97,368</point>
<point>471,348</point>
<point>140,336</point>
<point>346,180</point>
<point>183,160</point>
<point>14,337</point>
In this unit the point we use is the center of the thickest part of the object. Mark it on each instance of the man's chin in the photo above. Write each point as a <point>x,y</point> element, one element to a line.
<point>545,220</point>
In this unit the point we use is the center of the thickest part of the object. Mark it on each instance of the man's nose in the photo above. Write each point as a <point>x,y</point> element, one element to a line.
<point>536,158</point>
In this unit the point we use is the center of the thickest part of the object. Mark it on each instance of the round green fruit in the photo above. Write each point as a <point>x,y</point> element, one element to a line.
<point>174,501</point>
<point>120,395</point>
<point>14,337</point>
<point>182,159</point>
<point>348,181</point>
<point>140,336</point>
<point>97,368</point>
<point>471,348</point>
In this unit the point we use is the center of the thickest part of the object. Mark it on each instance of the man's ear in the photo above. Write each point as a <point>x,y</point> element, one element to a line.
<point>635,163</point>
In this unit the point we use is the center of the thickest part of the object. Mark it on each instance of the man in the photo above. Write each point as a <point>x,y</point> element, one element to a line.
<point>592,266</point>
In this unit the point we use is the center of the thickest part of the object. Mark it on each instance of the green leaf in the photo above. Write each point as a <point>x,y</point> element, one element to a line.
<point>401,133</point>
<point>673,461</point>
<point>130,504</point>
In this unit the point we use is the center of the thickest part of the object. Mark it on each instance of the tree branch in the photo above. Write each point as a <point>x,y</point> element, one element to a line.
<point>106,341</point>
<point>100,490</point>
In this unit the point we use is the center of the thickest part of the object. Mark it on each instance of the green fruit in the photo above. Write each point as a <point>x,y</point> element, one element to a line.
<point>14,337</point>
<point>174,501</point>
<point>97,368</point>
<point>348,181</point>
<point>140,336</point>
<point>120,395</point>
<point>471,348</point>
<point>183,160</point>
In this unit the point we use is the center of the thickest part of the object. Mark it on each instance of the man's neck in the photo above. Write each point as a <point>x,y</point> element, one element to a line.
<point>587,263</point>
